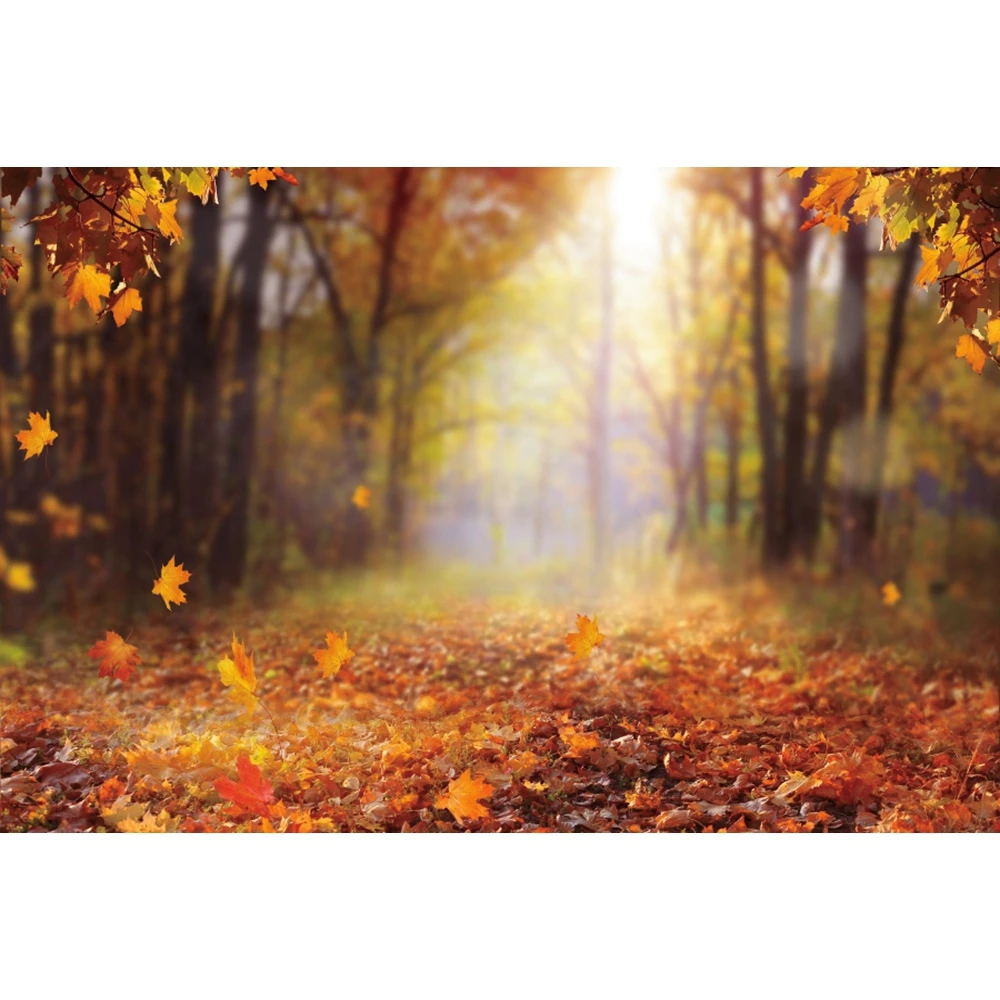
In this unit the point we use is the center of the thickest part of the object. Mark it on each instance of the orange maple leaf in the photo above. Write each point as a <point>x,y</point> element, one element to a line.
<point>169,584</point>
<point>253,791</point>
<point>361,497</point>
<point>585,638</point>
<point>84,281</point>
<point>238,673</point>
<point>124,304</point>
<point>261,176</point>
<point>972,349</point>
<point>890,594</point>
<point>333,658</point>
<point>118,658</point>
<point>462,795</point>
<point>39,434</point>
<point>286,176</point>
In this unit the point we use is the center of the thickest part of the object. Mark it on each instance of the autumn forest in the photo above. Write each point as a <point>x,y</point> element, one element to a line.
<point>499,499</point>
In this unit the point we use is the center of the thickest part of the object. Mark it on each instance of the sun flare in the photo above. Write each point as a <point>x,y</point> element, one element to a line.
<point>636,202</point>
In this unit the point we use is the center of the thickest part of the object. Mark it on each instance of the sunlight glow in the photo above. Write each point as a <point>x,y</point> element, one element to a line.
<point>636,201</point>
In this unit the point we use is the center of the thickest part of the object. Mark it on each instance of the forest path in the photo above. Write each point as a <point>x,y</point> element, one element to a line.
<point>687,719</point>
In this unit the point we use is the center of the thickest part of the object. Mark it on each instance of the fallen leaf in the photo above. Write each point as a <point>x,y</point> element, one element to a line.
<point>461,799</point>
<point>253,791</point>
<point>238,673</point>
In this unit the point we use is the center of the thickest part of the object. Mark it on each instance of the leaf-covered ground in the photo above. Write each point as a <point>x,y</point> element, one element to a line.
<point>688,717</point>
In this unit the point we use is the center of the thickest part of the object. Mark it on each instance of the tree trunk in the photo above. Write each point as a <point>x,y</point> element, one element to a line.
<point>733,443</point>
<point>199,347</point>
<point>762,383</point>
<point>846,363</point>
<point>887,383</point>
<point>797,407</point>
<point>227,561</point>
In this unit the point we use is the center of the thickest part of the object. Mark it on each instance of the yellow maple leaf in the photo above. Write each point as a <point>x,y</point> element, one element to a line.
<point>971,348</point>
<point>361,497</point>
<point>161,823</point>
<point>167,223</point>
<point>890,594</point>
<point>238,673</point>
<point>124,304</point>
<point>169,584</point>
<point>261,176</point>
<point>84,281</point>
<point>585,638</point>
<point>38,435</point>
<point>579,743</point>
<point>461,799</point>
<point>335,656</point>
<point>993,331</point>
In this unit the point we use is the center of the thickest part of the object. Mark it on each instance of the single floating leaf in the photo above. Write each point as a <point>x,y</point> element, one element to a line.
<point>890,594</point>
<point>38,435</point>
<point>238,673</point>
<point>118,658</point>
<point>361,497</point>
<point>169,584</point>
<point>583,641</point>
<point>335,656</point>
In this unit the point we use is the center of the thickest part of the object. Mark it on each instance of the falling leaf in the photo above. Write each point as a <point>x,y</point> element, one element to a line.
<point>462,798</point>
<point>361,497</point>
<point>253,791</point>
<point>169,584</point>
<point>16,575</point>
<point>124,304</point>
<point>118,658</point>
<point>85,281</point>
<point>335,656</point>
<point>890,594</point>
<point>65,519</point>
<point>971,348</point>
<point>39,434</point>
<point>238,674</point>
<point>585,638</point>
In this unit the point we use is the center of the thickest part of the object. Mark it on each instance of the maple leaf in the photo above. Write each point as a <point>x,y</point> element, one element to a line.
<point>124,304</point>
<point>238,673</point>
<point>890,594</point>
<point>361,497</point>
<point>972,349</point>
<point>38,435</point>
<point>285,176</point>
<point>993,331</point>
<point>461,799</point>
<point>169,584</point>
<point>167,223</point>
<point>261,176</point>
<point>585,638</point>
<point>150,823</point>
<point>253,791</point>
<point>118,658</point>
<point>333,658</point>
<point>85,281</point>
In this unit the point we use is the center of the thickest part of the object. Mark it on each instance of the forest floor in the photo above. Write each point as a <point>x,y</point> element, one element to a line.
<point>711,713</point>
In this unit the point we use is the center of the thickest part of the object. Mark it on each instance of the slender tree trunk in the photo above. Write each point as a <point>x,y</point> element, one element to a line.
<point>764,399</point>
<point>849,341</point>
<point>887,382</point>
<point>797,408</point>
<point>701,480</point>
<point>199,350</point>
<point>228,557</point>
<point>542,498</point>
<point>733,443</point>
